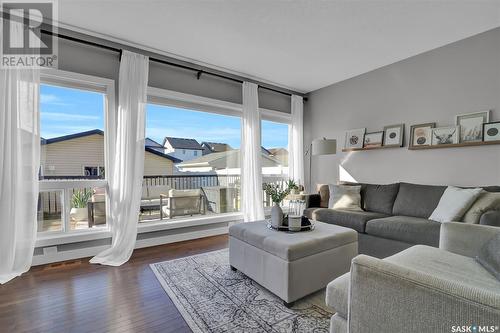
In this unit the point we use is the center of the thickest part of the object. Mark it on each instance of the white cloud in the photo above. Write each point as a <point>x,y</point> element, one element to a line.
<point>67,116</point>
<point>52,100</point>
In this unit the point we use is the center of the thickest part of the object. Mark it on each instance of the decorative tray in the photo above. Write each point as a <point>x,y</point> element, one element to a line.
<point>285,228</point>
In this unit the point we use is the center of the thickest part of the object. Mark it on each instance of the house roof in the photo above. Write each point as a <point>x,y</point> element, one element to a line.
<point>182,143</point>
<point>152,143</point>
<point>215,147</point>
<point>225,159</point>
<point>99,132</point>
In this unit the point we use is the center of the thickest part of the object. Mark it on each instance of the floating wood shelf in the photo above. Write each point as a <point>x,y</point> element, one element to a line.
<point>457,145</point>
<point>368,148</point>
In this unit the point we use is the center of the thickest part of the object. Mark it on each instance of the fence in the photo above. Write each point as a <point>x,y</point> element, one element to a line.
<point>50,202</point>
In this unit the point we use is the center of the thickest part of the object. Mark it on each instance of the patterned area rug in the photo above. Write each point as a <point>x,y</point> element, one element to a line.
<point>212,298</point>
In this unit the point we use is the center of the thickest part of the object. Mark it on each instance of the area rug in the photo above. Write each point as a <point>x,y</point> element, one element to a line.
<point>213,298</point>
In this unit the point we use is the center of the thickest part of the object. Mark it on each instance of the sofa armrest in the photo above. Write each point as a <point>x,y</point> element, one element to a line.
<point>385,297</point>
<point>491,217</point>
<point>313,200</point>
<point>465,239</point>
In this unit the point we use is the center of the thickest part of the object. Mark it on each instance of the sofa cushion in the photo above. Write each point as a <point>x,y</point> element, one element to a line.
<point>485,202</point>
<point>454,203</point>
<point>379,198</point>
<point>337,294</point>
<point>293,246</point>
<point>308,212</point>
<point>413,230</point>
<point>417,200</point>
<point>446,265</point>
<point>184,193</point>
<point>489,257</point>
<point>346,218</point>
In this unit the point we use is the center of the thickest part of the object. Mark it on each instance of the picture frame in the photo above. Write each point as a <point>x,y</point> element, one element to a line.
<point>354,138</point>
<point>394,135</point>
<point>373,139</point>
<point>421,134</point>
<point>491,131</point>
<point>445,135</point>
<point>471,125</point>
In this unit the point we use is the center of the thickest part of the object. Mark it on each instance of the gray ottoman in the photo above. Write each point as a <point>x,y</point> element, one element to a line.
<point>292,265</point>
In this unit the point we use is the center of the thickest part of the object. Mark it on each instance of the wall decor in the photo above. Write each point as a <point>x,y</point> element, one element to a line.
<point>394,135</point>
<point>491,131</point>
<point>445,135</point>
<point>354,138</point>
<point>421,134</point>
<point>373,139</point>
<point>471,125</point>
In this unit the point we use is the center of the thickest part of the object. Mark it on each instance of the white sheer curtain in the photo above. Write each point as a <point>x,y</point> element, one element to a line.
<point>19,165</point>
<point>251,173</point>
<point>296,141</point>
<point>127,159</point>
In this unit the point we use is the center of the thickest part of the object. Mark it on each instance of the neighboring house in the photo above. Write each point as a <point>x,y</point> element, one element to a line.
<point>150,143</point>
<point>214,147</point>
<point>183,149</point>
<point>228,162</point>
<point>280,154</point>
<point>82,154</point>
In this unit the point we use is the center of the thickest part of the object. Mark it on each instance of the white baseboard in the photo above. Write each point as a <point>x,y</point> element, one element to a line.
<point>142,243</point>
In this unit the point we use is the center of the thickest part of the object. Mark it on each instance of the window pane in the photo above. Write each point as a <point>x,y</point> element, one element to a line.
<point>191,165</point>
<point>274,156</point>
<point>72,124</point>
<point>50,211</point>
<point>88,208</point>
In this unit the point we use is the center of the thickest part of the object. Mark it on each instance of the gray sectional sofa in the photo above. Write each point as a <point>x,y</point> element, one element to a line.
<point>395,216</point>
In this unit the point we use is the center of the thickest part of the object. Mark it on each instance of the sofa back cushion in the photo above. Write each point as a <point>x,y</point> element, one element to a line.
<point>379,198</point>
<point>417,200</point>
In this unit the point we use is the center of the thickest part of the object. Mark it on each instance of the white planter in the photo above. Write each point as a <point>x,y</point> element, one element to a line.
<point>276,216</point>
<point>79,214</point>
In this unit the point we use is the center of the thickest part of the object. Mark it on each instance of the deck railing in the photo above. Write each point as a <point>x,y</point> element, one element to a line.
<point>51,203</point>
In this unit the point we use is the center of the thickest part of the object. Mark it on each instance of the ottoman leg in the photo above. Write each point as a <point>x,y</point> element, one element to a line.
<point>233,268</point>
<point>288,305</point>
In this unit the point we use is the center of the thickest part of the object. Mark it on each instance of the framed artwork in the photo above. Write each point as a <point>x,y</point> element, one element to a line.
<point>354,138</point>
<point>471,125</point>
<point>394,135</point>
<point>421,134</point>
<point>445,135</point>
<point>373,139</point>
<point>491,131</point>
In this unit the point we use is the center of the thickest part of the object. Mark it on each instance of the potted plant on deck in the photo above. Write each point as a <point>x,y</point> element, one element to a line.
<point>79,202</point>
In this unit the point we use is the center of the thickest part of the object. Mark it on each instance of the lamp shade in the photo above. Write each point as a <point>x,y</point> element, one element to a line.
<point>324,146</point>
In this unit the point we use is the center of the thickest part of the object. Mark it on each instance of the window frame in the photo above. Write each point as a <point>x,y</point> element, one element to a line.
<point>72,80</point>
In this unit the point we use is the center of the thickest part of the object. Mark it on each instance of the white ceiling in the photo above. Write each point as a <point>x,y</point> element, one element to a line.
<point>302,45</point>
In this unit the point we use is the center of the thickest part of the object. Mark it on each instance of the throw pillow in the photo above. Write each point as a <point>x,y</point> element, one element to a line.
<point>485,202</point>
<point>488,256</point>
<point>454,203</point>
<point>379,198</point>
<point>324,194</point>
<point>345,197</point>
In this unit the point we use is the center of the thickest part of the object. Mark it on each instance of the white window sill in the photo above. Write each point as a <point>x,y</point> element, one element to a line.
<point>51,239</point>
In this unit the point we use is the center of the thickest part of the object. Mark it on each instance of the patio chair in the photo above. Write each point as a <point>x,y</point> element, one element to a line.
<point>182,202</point>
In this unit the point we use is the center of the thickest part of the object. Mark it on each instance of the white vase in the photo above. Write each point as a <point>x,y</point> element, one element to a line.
<point>276,216</point>
<point>79,214</point>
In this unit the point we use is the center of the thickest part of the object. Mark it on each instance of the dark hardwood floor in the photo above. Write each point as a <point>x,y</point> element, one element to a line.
<point>76,296</point>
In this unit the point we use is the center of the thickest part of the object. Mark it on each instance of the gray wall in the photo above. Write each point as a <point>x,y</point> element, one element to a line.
<point>431,87</point>
<point>90,60</point>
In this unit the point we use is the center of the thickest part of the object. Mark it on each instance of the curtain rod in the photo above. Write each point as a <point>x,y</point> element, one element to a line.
<point>199,71</point>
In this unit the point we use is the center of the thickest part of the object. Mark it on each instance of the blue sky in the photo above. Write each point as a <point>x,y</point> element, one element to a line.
<point>68,111</point>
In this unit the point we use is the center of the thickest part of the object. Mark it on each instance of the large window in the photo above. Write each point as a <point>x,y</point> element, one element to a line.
<point>274,156</point>
<point>191,165</point>
<point>72,161</point>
